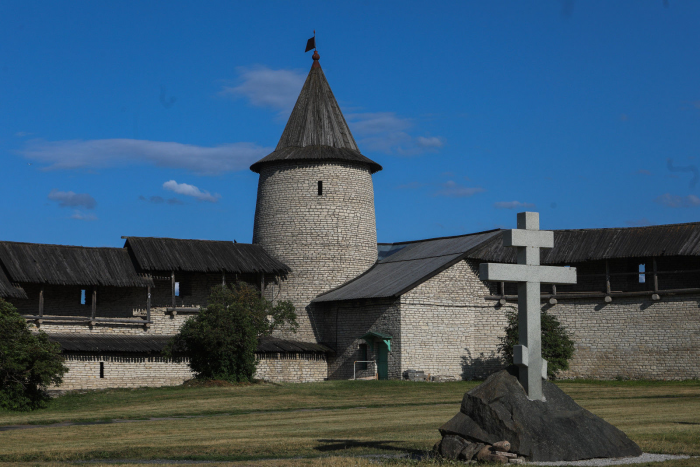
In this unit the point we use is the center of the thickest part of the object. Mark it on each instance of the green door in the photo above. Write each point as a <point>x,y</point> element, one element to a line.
<point>382,361</point>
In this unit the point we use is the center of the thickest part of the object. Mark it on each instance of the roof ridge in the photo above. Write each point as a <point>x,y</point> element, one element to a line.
<point>440,238</point>
<point>64,246</point>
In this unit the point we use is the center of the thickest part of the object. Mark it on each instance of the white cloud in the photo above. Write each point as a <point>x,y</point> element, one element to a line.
<point>432,142</point>
<point>72,199</point>
<point>264,87</point>
<point>675,201</point>
<point>103,153</point>
<point>81,216</point>
<point>191,190</point>
<point>512,205</point>
<point>388,133</point>
<point>452,189</point>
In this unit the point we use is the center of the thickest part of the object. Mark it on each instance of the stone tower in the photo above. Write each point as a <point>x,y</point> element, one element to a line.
<point>315,207</point>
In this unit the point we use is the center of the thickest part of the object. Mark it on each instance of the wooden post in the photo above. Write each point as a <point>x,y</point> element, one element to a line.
<point>94,306</point>
<point>608,298</point>
<point>553,301</point>
<point>262,284</point>
<point>148,305</point>
<point>41,301</point>
<point>655,295</point>
<point>172,284</point>
<point>223,279</point>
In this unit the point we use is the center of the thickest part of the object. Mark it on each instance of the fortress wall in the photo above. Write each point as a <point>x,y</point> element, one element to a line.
<point>448,329</point>
<point>633,337</point>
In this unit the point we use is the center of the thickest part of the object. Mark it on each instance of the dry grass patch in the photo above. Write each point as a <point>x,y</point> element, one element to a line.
<point>325,424</point>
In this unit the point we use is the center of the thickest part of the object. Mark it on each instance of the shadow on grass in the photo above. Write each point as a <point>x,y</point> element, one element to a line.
<point>331,445</point>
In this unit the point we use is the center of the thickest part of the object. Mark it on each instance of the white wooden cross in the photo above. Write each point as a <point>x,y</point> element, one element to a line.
<point>528,239</point>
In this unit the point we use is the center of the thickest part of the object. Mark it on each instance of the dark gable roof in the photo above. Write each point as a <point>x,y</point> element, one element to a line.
<point>410,264</point>
<point>575,246</point>
<point>7,290</point>
<point>156,344</point>
<point>316,129</point>
<point>172,254</point>
<point>69,265</point>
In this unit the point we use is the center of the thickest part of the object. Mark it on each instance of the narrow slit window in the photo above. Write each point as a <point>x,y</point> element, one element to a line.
<point>177,289</point>
<point>82,297</point>
<point>102,369</point>
<point>320,187</point>
<point>642,271</point>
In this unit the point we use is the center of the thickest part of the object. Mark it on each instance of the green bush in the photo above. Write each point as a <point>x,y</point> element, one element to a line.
<point>29,363</point>
<point>557,346</point>
<point>222,339</point>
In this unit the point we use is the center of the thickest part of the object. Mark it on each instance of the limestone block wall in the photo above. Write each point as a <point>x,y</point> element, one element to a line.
<point>292,368</point>
<point>326,240</point>
<point>633,337</point>
<point>345,322</point>
<point>448,329</point>
<point>123,372</point>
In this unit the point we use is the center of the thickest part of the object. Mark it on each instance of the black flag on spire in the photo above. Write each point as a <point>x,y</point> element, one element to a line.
<point>311,43</point>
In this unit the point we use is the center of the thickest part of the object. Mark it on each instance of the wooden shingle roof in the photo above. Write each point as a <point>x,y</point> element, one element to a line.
<point>69,265</point>
<point>7,290</point>
<point>120,343</point>
<point>316,129</point>
<point>174,254</point>
<point>579,245</point>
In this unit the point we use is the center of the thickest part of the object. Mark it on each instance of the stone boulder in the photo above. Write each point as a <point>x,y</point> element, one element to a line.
<point>556,430</point>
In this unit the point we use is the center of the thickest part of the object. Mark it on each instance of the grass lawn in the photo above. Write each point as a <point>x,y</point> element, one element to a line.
<point>323,423</point>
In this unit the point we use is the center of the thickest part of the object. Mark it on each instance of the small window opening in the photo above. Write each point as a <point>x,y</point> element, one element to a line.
<point>320,187</point>
<point>177,289</point>
<point>102,369</point>
<point>363,357</point>
<point>82,297</point>
<point>642,276</point>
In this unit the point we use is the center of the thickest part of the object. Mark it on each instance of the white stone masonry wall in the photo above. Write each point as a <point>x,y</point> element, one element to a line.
<point>448,329</point>
<point>123,372</point>
<point>326,240</point>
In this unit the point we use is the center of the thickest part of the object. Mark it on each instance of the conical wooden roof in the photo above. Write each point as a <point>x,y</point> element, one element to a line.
<point>316,129</point>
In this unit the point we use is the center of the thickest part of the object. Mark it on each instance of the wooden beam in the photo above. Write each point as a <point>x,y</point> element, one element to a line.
<point>83,319</point>
<point>567,295</point>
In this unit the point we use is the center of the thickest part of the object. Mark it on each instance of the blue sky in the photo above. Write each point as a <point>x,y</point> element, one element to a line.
<point>141,118</point>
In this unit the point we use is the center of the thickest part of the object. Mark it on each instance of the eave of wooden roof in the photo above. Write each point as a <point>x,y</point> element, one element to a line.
<point>69,265</point>
<point>174,254</point>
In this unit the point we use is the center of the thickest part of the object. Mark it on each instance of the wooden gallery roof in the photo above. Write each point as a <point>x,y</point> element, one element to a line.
<point>69,265</point>
<point>107,343</point>
<point>172,254</point>
<point>576,246</point>
<point>316,129</point>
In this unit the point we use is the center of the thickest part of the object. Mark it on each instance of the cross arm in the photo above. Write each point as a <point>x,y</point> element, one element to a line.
<point>532,238</point>
<point>526,273</point>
